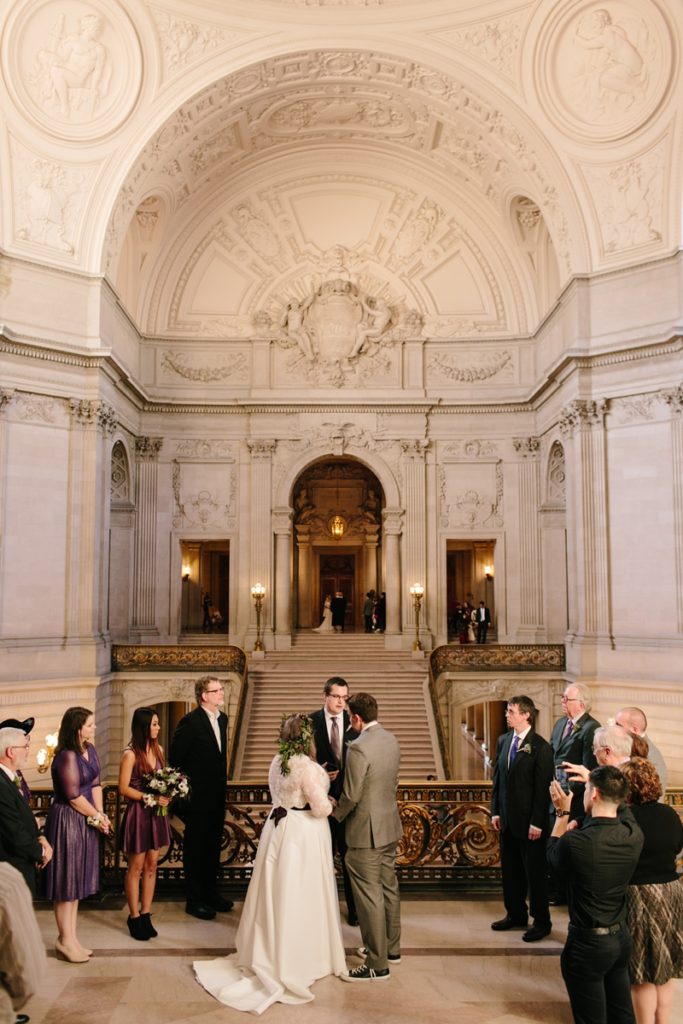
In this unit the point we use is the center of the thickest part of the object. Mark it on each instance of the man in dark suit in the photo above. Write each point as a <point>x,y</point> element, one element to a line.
<point>332,732</point>
<point>483,620</point>
<point>572,739</point>
<point>520,813</point>
<point>199,748</point>
<point>20,844</point>
<point>338,609</point>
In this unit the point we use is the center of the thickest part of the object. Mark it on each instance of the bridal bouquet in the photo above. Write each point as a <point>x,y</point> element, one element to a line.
<point>168,782</point>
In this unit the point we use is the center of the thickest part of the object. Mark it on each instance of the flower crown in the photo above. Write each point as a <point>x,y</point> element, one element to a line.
<point>300,744</point>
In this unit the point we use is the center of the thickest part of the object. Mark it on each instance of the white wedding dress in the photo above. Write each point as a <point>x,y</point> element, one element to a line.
<point>290,931</point>
<point>326,625</point>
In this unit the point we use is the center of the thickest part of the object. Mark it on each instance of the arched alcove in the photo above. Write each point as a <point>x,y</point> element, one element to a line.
<point>121,542</point>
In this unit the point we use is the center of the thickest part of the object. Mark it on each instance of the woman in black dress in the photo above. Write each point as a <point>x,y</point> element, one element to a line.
<point>655,898</point>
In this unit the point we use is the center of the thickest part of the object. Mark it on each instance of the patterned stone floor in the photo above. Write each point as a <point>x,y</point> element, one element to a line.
<point>453,968</point>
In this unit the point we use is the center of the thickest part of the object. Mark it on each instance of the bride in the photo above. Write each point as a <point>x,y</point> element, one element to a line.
<point>326,625</point>
<point>290,931</point>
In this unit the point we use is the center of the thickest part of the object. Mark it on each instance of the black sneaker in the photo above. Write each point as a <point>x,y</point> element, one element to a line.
<point>393,958</point>
<point>365,973</point>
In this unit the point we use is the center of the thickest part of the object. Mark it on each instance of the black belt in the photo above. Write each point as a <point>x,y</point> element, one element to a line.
<point>610,929</point>
<point>278,813</point>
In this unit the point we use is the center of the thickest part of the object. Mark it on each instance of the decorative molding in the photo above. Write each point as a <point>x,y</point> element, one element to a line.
<point>184,42</point>
<point>181,363</point>
<point>261,449</point>
<point>466,450</point>
<point>93,412</point>
<point>199,450</point>
<point>147,448</point>
<point>39,408</point>
<point>674,399</point>
<point>556,481</point>
<point>581,413</point>
<point>527,447</point>
<point>494,42</point>
<point>635,408</point>
<point>488,365</point>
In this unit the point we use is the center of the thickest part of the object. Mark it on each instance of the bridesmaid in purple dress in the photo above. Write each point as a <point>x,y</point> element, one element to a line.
<point>144,832</point>
<point>74,871</point>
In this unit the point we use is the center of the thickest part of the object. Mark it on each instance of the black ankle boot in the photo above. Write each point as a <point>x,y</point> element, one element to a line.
<point>136,927</point>
<point>150,930</point>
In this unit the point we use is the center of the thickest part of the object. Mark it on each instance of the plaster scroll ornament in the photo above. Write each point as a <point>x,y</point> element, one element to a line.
<point>494,42</point>
<point>222,450</point>
<point>477,370</point>
<point>184,41</point>
<point>36,407</point>
<point>71,66</point>
<point>606,67</point>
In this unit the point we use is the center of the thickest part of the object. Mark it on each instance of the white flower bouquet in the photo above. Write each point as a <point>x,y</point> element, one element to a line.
<point>168,782</point>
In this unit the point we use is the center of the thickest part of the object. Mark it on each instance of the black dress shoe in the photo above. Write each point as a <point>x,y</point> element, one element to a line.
<point>223,905</point>
<point>352,919</point>
<point>22,1018</point>
<point>536,932</point>
<point>201,911</point>
<point>506,923</point>
<point>557,901</point>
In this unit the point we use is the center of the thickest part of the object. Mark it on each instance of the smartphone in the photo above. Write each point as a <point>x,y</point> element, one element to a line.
<point>561,776</point>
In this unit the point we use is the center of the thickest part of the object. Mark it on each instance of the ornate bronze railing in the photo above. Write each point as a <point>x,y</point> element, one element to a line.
<point>498,658</point>
<point>448,844</point>
<point>158,657</point>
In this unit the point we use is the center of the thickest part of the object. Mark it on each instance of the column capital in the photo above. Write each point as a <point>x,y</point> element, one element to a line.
<point>6,396</point>
<point>282,520</point>
<point>582,413</point>
<point>147,448</point>
<point>674,399</point>
<point>261,448</point>
<point>93,412</point>
<point>414,448</point>
<point>392,521</point>
<point>527,447</point>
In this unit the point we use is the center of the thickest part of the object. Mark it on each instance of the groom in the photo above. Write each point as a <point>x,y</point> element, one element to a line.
<point>373,828</point>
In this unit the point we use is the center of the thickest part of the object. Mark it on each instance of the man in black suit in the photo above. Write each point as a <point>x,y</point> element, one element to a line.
<point>332,732</point>
<point>483,620</point>
<point>199,748</point>
<point>520,813</point>
<point>20,844</point>
<point>338,609</point>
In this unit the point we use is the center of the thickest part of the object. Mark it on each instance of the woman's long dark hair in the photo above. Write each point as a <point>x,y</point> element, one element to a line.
<point>141,740</point>
<point>72,722</point>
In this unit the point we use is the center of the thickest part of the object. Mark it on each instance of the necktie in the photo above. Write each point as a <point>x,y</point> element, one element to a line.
<point>567,729</point>
<point>334,740</point>
<point>513,748</point>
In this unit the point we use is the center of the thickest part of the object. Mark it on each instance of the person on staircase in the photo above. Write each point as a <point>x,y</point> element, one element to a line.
<point>332,732</point>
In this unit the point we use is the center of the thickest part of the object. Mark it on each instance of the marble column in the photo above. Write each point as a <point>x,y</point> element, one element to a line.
<point>391,532</point>
<point>415,535</point>
<point>674,399</point>
<point>261,452</point>
<point>144,626</point>
<point>282,526</point>
<point>370,559</point>
<point>304,575</point>
<point>530,628</point>
<point>583,424</point>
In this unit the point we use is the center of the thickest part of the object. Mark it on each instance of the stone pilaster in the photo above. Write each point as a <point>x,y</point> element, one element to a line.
<point>145,564</point>
<point>282,527</point>
<point>415,532</point>
<point>261,452</point>
<point>391,531</point>
<point>583,424</point>
<point>674,400</point>
<point>530,567</point>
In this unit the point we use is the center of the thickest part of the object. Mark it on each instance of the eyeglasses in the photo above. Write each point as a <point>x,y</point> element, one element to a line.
<point>568,700</point>
<point>20,746</point>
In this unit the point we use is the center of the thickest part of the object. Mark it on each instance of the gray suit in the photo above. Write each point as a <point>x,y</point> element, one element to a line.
<point>373,828</point>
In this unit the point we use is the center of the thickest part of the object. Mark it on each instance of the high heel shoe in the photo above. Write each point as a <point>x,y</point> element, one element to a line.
<point>137,929</point>
<point>71,955</point>
<point>150,930</point>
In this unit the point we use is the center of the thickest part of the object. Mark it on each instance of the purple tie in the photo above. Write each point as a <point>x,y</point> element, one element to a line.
<point>567,729</point>
<point>334,740</point>
<point>23,786</point>
<point>513,748</point>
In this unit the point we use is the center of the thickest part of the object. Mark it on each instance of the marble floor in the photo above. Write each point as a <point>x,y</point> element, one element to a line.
<point>453,968</point>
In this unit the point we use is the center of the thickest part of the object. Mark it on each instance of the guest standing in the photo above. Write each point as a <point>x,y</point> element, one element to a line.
<point>144,831</point>
<point>199,749</point>
<point>520,813</point>
<point>368,608</point>
<point>655,898</point>
<point>74,871</point>
<point>20,844</point>
<point>338,606</point>
<point>483,620</point>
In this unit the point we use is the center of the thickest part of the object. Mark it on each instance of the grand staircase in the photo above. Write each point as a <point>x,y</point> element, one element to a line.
<point>290,681</point>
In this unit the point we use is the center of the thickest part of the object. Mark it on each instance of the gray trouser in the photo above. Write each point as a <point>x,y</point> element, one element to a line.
<point>375,887</point>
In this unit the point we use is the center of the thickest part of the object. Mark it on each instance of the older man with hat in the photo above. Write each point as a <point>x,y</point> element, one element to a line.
<point>20,843</point>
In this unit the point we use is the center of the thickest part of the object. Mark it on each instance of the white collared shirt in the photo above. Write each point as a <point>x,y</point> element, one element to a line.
<point>214,725</point>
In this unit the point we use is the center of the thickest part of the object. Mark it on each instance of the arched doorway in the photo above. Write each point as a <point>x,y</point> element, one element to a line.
<point>338,505</point>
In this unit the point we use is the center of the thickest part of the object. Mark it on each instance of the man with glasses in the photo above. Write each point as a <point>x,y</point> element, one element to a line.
<point>332,732</point>
<point>20,844</point>
<point>199,748</point>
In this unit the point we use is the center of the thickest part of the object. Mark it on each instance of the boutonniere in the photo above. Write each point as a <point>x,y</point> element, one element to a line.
<point>575,728</point>
<point>526,749</point>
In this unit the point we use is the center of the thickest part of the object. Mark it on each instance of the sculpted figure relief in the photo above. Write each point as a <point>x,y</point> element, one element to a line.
<point>615,75</point>
<point>74,70</point>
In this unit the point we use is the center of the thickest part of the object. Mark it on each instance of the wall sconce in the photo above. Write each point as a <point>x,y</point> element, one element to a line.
<point>337,526</point>
<point>186,573</point>
<point>46,754</point>
<point>417,593</point>
<point>488,572</point>
<point>258,592</point>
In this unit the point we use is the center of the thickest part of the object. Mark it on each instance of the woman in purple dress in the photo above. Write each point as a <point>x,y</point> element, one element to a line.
<point>73,825</point>
<point>144,832</point>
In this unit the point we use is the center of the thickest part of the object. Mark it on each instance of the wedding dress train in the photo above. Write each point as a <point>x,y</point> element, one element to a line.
<point>326,625</point>
<point>290,931</point>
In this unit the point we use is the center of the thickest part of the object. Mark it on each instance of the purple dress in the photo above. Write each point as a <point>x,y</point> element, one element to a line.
<point>143,829</point>
<point>74,871</point>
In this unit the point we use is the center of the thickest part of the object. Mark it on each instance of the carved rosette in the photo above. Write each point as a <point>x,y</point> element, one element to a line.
<point>583,414</point>
<point>147,448</point>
